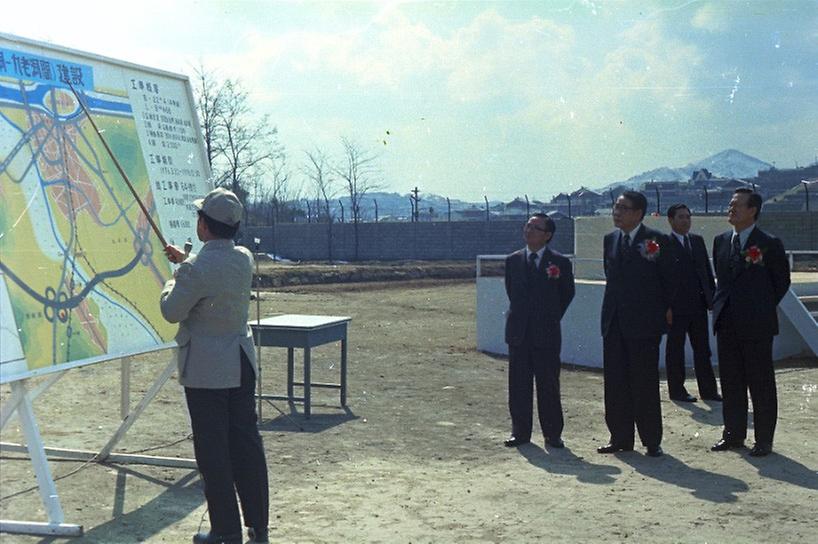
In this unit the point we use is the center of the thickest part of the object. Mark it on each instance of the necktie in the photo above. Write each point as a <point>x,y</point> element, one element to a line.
<point>625,244</point>
<point>687,244</point>
<point>735,254</point>
<point>532,262</point>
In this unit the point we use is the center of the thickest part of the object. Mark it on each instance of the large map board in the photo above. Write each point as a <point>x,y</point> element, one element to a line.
<point>80,268</point>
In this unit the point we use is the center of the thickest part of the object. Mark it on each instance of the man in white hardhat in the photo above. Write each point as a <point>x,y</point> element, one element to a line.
<point>209,297</point>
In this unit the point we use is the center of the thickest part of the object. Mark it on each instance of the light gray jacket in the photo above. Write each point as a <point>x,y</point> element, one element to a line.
<point>210,298</point>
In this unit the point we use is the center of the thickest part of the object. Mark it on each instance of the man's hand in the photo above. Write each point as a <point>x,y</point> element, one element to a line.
<point>175,255</point>
<point>669,317</point>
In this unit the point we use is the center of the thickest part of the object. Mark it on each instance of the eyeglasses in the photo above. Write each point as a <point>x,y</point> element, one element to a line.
<point>623,208</point>
<point>529,226</point>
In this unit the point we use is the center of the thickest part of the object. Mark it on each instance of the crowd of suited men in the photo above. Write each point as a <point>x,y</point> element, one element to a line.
<point>656,284</point>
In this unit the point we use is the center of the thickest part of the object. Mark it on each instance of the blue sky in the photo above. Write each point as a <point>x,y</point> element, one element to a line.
<point>489,98</point>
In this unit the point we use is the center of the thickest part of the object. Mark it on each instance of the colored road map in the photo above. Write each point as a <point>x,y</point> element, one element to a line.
<point>81,268</point>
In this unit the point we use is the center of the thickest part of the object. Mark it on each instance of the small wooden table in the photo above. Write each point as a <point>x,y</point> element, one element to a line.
<point>302,331</point>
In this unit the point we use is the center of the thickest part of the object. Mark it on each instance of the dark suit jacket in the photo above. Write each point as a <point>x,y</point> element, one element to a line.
<point>746,303</point>
<point>542,300</point>
<point>638,290</point>
<point>695,276</point>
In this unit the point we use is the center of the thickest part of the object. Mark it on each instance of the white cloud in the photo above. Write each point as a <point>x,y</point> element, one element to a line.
<point>646,74</point>
<point>496,57</point>
<point>711,17</point>
<point>489,57</point>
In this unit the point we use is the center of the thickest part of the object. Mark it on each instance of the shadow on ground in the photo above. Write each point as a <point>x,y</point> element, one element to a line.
<point>177,501</point>
<point>292,420</point>
<point>782,468</point>
<point>706,412</point>
<point>704,484</point>
<point>564,461</point>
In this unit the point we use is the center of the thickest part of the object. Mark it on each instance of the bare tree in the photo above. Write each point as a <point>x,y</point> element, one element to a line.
<point>247,144</point>
<point>358,171</point>
<point>274,187</point>
<point>209,94</point>
<point>240,145</point>
<point>319,172</point>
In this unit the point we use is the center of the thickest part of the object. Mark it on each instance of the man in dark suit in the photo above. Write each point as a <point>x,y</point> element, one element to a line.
<point>639,287</point>
<point>540,286</point>
<point>693,298</point>
<point>753,276</point>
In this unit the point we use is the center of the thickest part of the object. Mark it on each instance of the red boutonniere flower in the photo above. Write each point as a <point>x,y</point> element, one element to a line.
<point>753,255</point>
<point>553,272</point>
<point>650,250</point>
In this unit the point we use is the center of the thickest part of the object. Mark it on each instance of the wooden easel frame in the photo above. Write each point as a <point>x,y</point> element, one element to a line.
<point>21,402</point>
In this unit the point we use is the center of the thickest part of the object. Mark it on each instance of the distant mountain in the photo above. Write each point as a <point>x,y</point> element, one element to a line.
<point>396,205</point>
<point>729,163</point>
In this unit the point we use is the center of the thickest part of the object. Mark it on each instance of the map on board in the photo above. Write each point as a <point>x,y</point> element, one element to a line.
<point>80,268</point>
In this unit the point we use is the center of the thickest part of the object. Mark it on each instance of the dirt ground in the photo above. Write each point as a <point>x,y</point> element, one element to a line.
<point>417,456</point>
<point>275,274</point>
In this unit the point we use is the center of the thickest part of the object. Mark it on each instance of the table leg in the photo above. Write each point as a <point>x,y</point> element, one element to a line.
<point>307,382</point>
<point>290,364</point>
<point>259,388</point>
<point>344,371</point>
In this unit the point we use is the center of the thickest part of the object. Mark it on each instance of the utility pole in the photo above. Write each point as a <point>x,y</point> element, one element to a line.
<point>274,220</point>
<point>568,198</point>
<point>705,200</point>
<point>415,206</point>
<point>658,199</point>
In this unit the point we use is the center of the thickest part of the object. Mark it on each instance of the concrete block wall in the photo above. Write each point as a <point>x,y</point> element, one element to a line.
<point>460,240</point>
<point>463,240</point>
<point>797,230</point>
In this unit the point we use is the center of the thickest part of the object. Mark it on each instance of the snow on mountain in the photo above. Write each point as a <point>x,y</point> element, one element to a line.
<point>397,205</point>
<point>729,163</point>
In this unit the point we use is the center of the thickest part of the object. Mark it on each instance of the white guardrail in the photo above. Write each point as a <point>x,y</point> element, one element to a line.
<point>790,255</point>
<point>582,342</point>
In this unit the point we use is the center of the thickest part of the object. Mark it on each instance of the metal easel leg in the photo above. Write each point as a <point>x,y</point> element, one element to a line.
<point>45,481</point>
<point>129,419</point>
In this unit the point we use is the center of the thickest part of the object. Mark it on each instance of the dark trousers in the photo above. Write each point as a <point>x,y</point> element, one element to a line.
<point>230,454</point>
<point>525,364</point>
<point>695,326</point>
<point>747,364</point>
<point>631,372</point>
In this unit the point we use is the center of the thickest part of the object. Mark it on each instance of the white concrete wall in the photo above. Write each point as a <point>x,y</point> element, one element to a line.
<point>581,336</point>
<point>589,232</point>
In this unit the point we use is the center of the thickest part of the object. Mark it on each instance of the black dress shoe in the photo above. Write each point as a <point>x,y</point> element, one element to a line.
<point>217,538</point>
<point>684,397</point>
<point>655,451</point>
<point>554,442</point>
<point>716,397</point>
<point>514,442</point>
<point>258,536</point>
<point>724,445</point>
<point>613,448</point>
<point>761,449</point>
